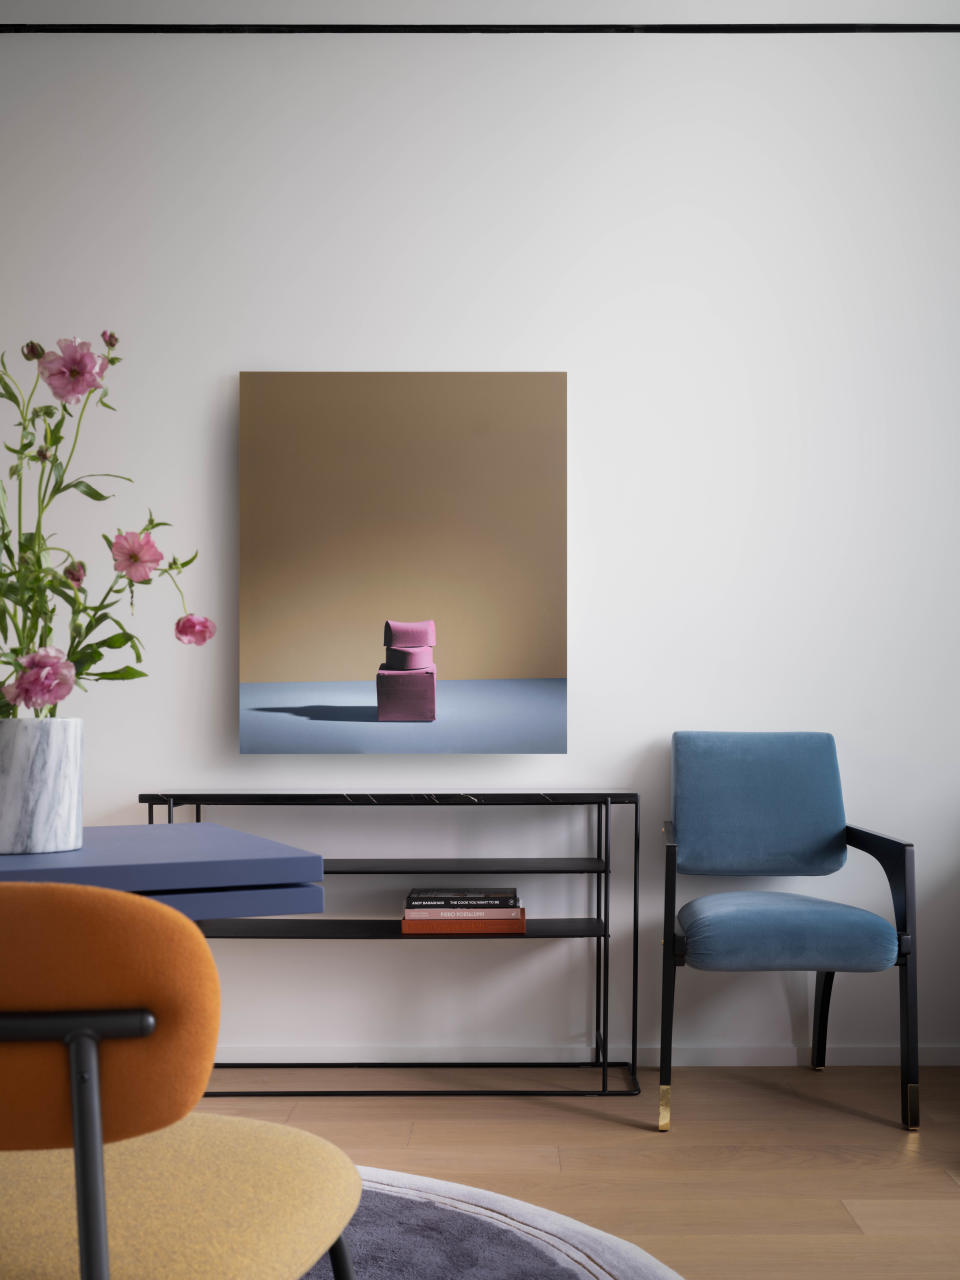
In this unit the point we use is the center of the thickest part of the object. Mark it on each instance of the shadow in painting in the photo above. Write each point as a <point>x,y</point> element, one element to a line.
<point>355,714</point>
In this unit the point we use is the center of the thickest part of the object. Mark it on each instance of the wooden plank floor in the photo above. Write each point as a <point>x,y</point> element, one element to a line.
<point>767,1173</point>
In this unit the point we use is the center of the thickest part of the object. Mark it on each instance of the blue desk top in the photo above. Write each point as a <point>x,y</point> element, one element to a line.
<point>177,856</point>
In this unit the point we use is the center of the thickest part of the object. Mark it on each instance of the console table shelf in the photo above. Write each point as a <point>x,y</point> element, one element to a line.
<point>461,866</point>
<point>597,868</point>
<point>348,927</point>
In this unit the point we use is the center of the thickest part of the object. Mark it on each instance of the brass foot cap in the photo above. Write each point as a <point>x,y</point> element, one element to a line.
<point>663,1123</point>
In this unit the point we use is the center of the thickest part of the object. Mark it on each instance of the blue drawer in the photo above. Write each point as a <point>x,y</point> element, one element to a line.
<point>225,904</point>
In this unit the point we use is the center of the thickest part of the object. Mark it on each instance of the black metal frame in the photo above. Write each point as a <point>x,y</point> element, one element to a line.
<point>480,28</point>
<point>896,857</point>
<point>81,1032</point>
<point>597,926</point>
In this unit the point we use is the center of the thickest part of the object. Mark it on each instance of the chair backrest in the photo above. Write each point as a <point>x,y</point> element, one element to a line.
<point>66,947</point>
<point>757,804</point>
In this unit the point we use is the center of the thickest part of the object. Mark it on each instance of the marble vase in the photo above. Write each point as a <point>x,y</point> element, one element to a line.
<point>41,793</point>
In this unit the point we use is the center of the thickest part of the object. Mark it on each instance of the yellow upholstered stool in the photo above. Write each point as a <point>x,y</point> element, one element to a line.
<point>210,1197</point>
<point>109,1005</point>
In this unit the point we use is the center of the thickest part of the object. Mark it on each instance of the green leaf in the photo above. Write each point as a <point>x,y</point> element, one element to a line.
<point>116,641</point>
<point>109,475</point>
<point>64,593</point>
<point>108,541</point>
<point>87,657</point>
<point>7,392</point>
<point>87,490</point>
<point>122,673</point>
<point>186,563</point>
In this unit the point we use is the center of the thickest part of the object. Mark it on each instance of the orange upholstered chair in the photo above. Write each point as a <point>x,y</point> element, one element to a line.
<point>109,1009</point>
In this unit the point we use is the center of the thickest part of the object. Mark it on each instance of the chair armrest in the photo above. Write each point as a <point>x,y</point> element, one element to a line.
<point>897,859</point>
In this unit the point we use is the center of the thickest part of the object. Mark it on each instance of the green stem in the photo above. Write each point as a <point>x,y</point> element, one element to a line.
<point>36,383</point>
<point>40,509</point>
<point>76,435</point>
<point>183,600</point>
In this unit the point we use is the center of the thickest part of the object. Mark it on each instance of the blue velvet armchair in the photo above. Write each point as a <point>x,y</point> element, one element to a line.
<point>770,804</point>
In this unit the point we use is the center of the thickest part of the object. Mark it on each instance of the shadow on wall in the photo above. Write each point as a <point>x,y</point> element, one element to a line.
<point>357,714</point>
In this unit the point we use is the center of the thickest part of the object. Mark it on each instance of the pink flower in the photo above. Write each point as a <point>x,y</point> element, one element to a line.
<point>47,677</point>
<point>136,555</point>
<point>74,372</point>
<point>75,572</point>
<point>192,628</point>
<point>110,339</point>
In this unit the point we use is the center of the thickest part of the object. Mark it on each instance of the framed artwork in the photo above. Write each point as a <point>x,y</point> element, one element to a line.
<point>402,562</point>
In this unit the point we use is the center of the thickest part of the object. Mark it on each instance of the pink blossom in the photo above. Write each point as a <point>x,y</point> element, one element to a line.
<point>75,572</point>
<point>47,677</point>
<point>135,555</point>
<point>74,372</point>
<point>193,628</point>
<point>110,339</point>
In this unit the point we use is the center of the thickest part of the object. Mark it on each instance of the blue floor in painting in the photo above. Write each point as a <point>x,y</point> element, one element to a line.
<point>510,717</point>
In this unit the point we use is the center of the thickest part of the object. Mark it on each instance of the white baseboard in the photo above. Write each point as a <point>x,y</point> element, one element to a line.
<point>789,1055</point>
<point>753,1055</point>
<point>265,1053</point>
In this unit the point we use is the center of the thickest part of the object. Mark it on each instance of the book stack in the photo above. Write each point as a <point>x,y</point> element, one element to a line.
<point>463,911</point>
<point>407,680</point>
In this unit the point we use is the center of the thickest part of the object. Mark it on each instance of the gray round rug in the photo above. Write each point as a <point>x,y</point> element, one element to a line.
<point>413,1228</point>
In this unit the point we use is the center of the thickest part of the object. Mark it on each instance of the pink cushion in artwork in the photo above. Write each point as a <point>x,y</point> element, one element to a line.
<point>407,659</point>
<point>407,695</point>
<point>409,634</point>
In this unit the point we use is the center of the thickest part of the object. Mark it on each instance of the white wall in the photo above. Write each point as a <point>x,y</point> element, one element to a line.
<point>742,250</point>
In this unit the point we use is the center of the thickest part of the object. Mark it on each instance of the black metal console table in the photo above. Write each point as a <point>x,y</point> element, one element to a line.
<point>596,925</point>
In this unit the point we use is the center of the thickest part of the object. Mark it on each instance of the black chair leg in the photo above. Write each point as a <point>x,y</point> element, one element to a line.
<point>909,1054</point>
<point>340,1261</point>
<point>88,1156</point>
<point>821,1014</point>
<point>666,1032</point>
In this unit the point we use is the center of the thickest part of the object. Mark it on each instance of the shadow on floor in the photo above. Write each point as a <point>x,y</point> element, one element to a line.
<point>325,712</point>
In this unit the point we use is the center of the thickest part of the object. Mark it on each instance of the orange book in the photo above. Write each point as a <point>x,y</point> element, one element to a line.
<point>426,928</point>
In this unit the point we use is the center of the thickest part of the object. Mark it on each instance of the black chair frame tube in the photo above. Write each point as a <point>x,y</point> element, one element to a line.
<point>672,958</point>
<point>897,859</point>
<point>340,1262</point>
<point>821,1015</point>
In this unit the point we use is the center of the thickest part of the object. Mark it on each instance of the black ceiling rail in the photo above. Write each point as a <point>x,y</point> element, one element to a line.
<point>480,29</point>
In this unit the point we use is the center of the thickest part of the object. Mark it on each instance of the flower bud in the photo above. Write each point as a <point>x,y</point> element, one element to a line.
<point>75,572</point>
<point>32,351</point>
<point>110,339</point>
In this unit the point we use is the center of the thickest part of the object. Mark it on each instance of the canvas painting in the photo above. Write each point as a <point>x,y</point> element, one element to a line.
<point>402,553</point>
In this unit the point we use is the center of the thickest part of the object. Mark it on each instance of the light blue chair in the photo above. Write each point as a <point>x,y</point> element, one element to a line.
<point>769,804</point>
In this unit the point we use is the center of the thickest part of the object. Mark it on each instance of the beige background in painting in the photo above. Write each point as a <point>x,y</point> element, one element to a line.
<point>366,496</point>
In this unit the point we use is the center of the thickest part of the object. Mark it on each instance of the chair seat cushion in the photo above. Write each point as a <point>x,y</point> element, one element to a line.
<point>759,931</point>
<point>211,1197</point>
